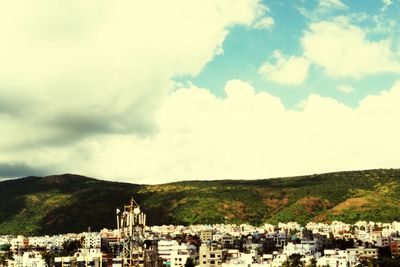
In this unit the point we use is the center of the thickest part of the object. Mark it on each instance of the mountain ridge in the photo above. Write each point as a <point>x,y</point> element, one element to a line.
<point>71,203</point>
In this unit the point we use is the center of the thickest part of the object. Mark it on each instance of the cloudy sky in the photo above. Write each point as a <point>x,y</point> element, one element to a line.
<point>158,91</point>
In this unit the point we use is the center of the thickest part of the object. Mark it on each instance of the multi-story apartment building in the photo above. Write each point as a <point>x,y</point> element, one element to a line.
<point>84,257</point>
<point>179,257</point>
<point>395,246</point>
<point>302,249</point>
<point>28,259</point>
<point>172,253</point>
<point>206,235</point>
<point>19,242</point>
<point>210,255</point>
<point>91,240</point>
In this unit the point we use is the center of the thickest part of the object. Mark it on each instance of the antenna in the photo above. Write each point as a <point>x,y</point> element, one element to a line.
<point>130,224</point>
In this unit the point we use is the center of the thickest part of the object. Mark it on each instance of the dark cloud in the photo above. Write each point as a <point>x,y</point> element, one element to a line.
<point>14,104</point>
<point>69,134</point>
<point>90,124</point>
<point>71,128</point>
<point>62,130</point>
<point>20,169</point>
<point>10,107</point>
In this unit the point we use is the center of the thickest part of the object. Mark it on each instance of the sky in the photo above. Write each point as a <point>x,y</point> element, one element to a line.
<point>162,91</point>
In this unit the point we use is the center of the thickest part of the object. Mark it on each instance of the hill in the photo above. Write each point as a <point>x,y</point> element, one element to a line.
<point>72,203</point>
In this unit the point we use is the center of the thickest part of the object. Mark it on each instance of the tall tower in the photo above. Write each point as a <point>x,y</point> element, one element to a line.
<point>131,223</point>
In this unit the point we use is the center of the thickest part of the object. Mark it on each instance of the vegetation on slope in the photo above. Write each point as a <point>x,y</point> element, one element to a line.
<point>71,203</point>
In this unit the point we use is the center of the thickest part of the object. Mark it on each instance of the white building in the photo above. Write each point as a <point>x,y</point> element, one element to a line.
<point>333,257</point>
<point>179,257</point>
<point>39,241</point>
<point>84,257</point>
<point>173,253</point>
<point>302,249</point>
<point>210,256</point>
<point>355,254</point>
<point>28,259</point>
<point>91,240</point>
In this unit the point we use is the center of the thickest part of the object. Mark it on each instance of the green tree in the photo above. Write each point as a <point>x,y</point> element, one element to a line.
<point>69,247</point>
<point>294,260</point>
<point>313,263</point>
<point>48,258</point>
<point>5,247</point>
<point>189,262</point>
<point>4,257</point>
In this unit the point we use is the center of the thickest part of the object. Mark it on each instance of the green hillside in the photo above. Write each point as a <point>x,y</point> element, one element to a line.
<point>72,203</point>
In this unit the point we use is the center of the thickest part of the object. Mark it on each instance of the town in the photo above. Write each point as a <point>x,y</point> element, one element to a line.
<point>134,243</point>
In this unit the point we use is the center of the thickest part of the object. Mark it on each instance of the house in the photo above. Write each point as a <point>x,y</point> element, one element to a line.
<point>210,255</point>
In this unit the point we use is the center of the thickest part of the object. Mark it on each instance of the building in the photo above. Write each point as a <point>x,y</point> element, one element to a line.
<point>302,249</point>
<point>172,253</point>
<point>333,257</point>
<point>395,246</point>
<point>206,235</point>
<point>28,259</point>
<point>19,242</point>
<point>210,255</point>
<point>179,257</point>
<point>84,257</point>
<point>91,240</point>
<point>354,255</point>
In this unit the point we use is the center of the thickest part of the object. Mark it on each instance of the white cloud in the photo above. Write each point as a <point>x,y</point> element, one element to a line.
<point>324,9</point>
<point>343,50</point>
<point>252,135</point>
<point>245,135</point>
<point>264,23</point>
<point>285,70</point>
<point>331,4</point>
<point>77,74</point>
<point>101,69</point>
<point>387,3</point>
<point>83,68</point>
<point>345,88</point>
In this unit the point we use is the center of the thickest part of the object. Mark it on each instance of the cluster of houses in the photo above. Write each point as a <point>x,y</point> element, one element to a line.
<point>320,244</point>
